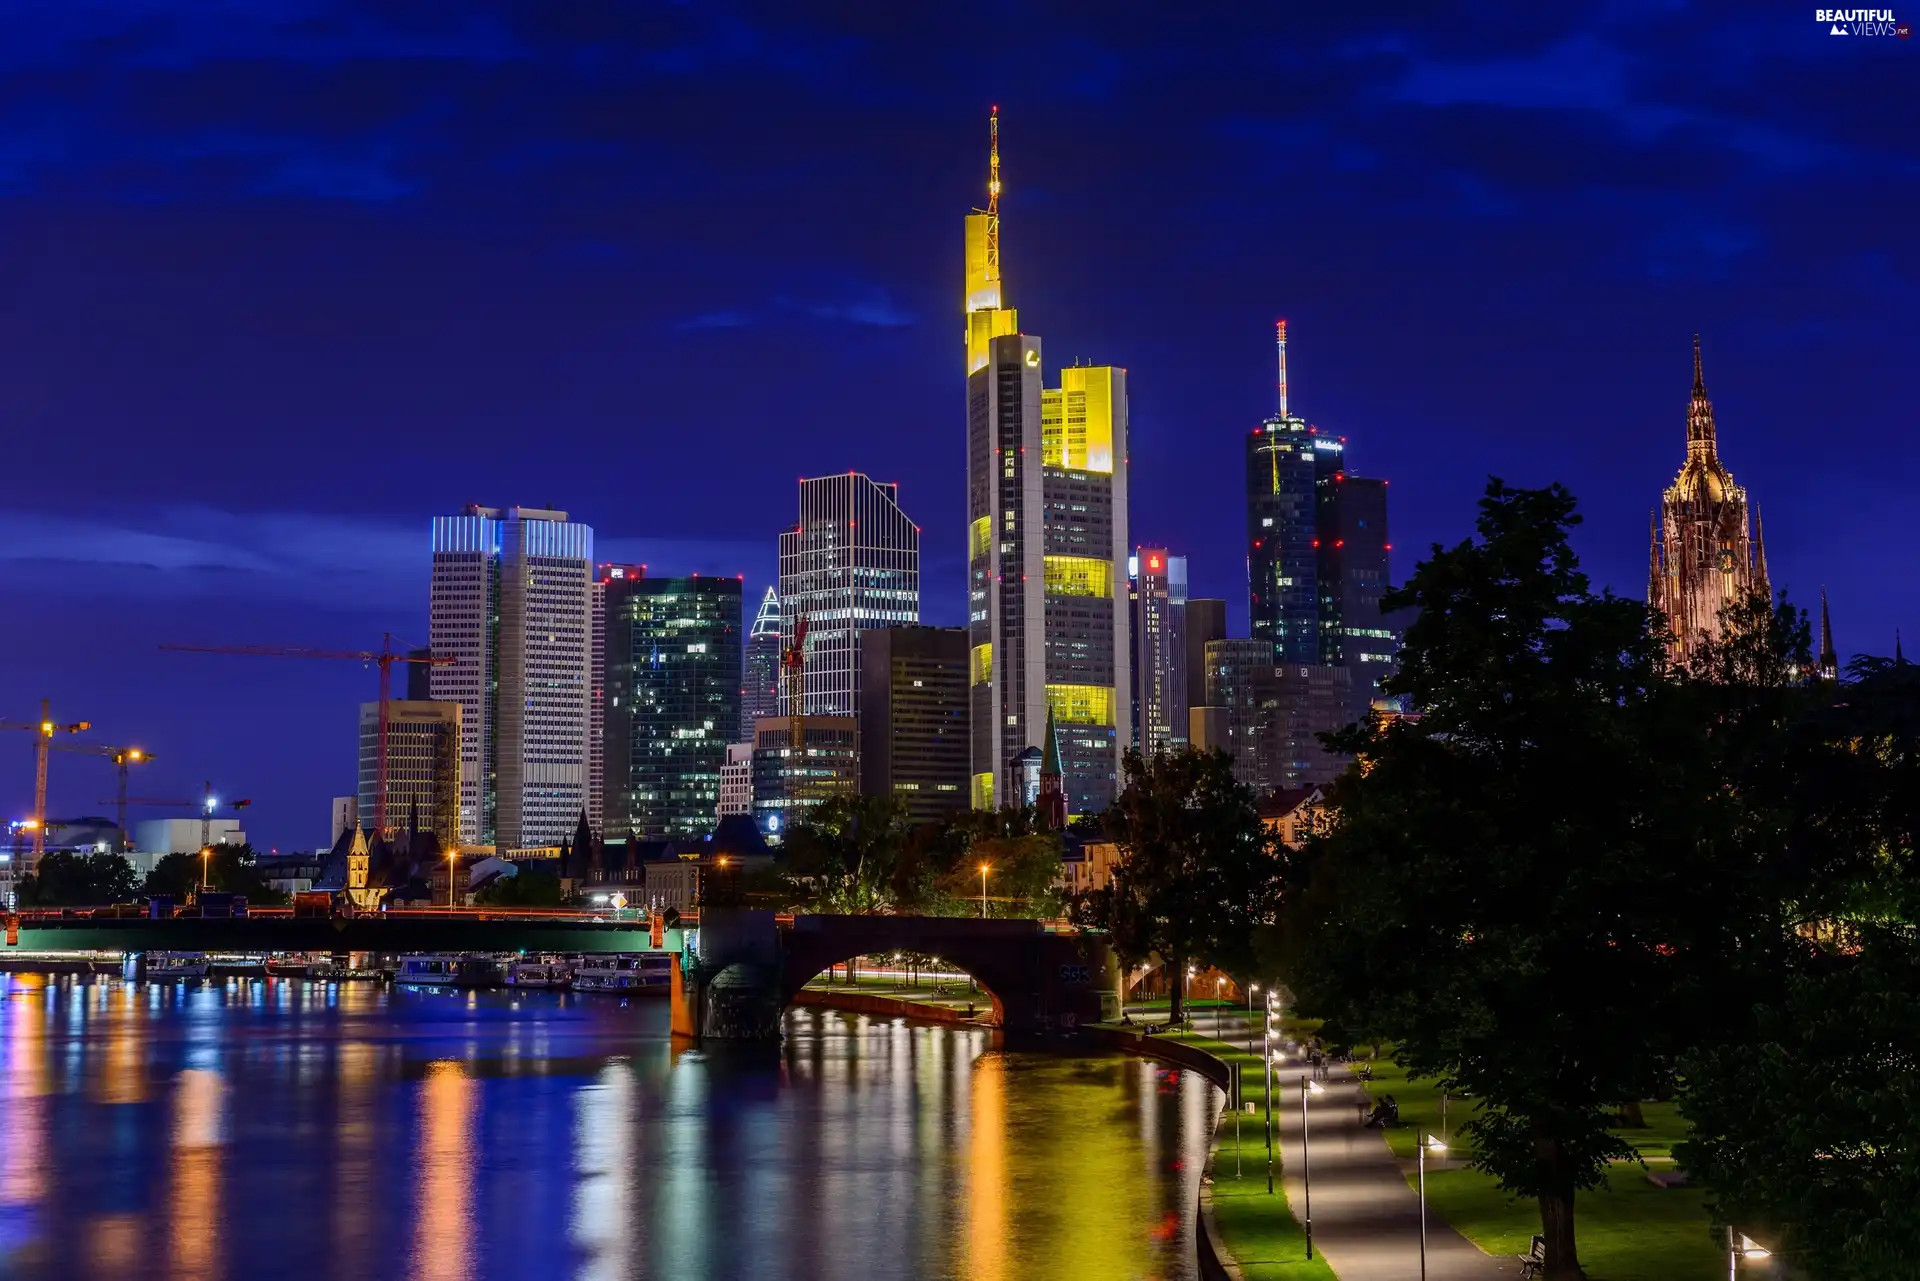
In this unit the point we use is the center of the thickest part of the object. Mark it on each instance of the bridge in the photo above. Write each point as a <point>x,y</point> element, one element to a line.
<point>386,932</point>
<point>749,966</point>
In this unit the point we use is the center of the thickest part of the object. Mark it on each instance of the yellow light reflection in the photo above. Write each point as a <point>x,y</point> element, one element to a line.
<point>113,1244</point>
<point>987,1170</point>
<point>443,1247</point>
<point>29,1080</point>
<point>123,1076</point>
<point>198,1098</point>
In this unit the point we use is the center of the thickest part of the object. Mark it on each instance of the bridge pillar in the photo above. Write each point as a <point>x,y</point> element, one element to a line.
<point>133,967</point>
<point>733,992</point>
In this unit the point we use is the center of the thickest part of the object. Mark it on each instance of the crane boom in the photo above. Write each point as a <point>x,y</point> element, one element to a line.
<point>384,658</point>
<point>44,729</point>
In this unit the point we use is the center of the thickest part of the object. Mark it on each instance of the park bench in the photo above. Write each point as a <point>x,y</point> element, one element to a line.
<point>1534,1261</point>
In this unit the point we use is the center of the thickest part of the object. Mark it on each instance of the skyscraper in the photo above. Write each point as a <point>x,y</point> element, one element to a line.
<point>760,690</point>
<point>913,718</point>
<point>1158,593</point>
<point>1703,557</point>
<point>1047,530</point>
<point>852,562</point>
<point>1274,713</point>
<point>512,602</point>
<point>673,701</point>
<point>423,766</point>
<point>1317,551</point>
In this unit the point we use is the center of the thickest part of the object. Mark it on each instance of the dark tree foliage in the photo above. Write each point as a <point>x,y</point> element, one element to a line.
<point>230,869</point>
<point>1519,882</point>
<point>1197,873</point>
<point>1805,1104</point>
<point>533,885</point>
<point>69,880</point>
<point>849,848</point>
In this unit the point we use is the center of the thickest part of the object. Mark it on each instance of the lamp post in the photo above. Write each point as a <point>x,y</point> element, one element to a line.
<point>206,855</point>
<point>1186,1005</point>
<point>1307,1086</point>
<point>1217,983</point>
<point>452,854</point>
<point>1266,1065</point>
<point>1740,1246</point>
<point>1429,1144</point>
<point>983,890</point>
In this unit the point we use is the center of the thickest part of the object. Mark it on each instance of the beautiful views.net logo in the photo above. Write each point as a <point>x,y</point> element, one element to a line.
<point>1862,22</point>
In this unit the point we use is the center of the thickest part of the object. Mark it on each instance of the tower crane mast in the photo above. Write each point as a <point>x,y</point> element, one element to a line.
<point>384,658</point>
<point>44,730</point>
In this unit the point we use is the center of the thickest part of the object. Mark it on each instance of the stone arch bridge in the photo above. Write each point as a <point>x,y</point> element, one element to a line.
<point>750,966</point>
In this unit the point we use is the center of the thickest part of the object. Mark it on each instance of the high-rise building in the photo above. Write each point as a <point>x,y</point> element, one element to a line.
<point>1705,554</point>
<point>673,701</point>
<point>1202,620</point>
<point>760,690</point>
<point>1273,714</point>
<point>850,563</point>
<point>423,766</point>
<point>913,718</point>
<point>1157,590</point>
<point>1047,537</point>
<point>736,780</point>
<point>597,701</point>
<point>799,761</point>
<point>1317,551</point>
<point>512,602</point>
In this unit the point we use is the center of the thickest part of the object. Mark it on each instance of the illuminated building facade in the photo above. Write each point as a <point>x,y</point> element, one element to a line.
<point>799,761</point>
<point>1158,595</point>
<point>673,702</point>
<point>1272,714</point>
<point>1047,541</point>
<point>1702,556</point>
<point>1317,552</point>
<point>760,690</point>
<point>512,602</point>
<point>851,563</point>
<point>913,718</point>
<point>423,766</point>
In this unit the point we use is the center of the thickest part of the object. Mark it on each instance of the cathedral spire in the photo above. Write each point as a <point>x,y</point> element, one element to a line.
<point>1654,593</point>
<point>1762,581</point>
<point>1700,433</point>
<point>1829,661</point>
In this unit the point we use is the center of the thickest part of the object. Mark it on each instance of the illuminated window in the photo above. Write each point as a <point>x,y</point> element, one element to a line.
<point>1079,576</point>
<point>1081,704</point>
<point>982,663</point>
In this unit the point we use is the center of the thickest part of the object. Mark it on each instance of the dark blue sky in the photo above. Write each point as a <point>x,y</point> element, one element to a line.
<point>281,279</point>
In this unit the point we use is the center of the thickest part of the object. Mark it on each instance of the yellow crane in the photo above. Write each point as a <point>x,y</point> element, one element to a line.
<point>123,758</point>
<point>43,730</point>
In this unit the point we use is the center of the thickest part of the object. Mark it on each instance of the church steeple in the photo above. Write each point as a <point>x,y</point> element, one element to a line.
<point>1700,431</point>
<point>1829,661</point>
<point>1053,792</point>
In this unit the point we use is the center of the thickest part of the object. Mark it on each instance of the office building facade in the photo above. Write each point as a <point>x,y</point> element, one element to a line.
<point>913,718</point>
<point>672,702</point>
<point>1046,544</point>
<point>850,563</point>
<point>760,685</point>
<point>1317,553</point>
<point>736,780</point>
<point>512,603</point>
<point>423,767</point>
<point>1157,592</point>
<point>1268,715</point>
<point>799,761</point>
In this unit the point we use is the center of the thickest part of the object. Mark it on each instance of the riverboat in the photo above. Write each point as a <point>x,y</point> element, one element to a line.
<point>630,974</point>
<point>442,970</point>
<point>546,972</point>
<point>164,967</point>
<point>301,965</point>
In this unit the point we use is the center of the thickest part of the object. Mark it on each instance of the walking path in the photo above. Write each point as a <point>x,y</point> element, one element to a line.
<point>1366,1219</point>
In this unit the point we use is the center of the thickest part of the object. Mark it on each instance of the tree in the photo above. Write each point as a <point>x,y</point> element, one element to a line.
<point>1197,872</point>
<point>1518,885</point>
<point>1021,869</point>
<point>532,886</point>
<point>848,848</point>
<point>65,880</point>
<point>231,869</point>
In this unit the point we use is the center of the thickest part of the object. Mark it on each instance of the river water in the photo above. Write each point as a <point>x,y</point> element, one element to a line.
<point>227,1130</point>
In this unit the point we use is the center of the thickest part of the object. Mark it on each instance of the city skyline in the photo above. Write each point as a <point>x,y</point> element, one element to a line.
<point>1427,323</point>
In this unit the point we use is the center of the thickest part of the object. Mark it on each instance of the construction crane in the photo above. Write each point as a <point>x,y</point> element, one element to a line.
<point>206,805</point>
<point>384,657</point>
<point>124,758</point>
<point>44,729</point>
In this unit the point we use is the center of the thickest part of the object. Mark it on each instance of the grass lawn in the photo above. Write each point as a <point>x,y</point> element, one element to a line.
<point>1628,1231</point>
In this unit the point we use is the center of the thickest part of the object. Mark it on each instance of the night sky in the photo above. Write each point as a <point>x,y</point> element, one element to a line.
<point>282,279</point>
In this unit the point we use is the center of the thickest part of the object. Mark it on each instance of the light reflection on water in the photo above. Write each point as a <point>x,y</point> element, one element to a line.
<point>215,1131</point>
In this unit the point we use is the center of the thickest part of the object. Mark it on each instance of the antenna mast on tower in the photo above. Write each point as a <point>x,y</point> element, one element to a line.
<point>1280,341</point>
<point>993,194</point>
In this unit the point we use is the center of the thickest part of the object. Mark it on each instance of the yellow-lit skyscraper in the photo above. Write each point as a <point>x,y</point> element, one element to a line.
<point>1047,512</point>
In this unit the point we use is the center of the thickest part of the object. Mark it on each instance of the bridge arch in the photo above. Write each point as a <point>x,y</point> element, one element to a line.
<point>752,968</point>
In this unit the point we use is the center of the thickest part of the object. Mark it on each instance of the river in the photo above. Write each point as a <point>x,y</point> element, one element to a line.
<point>227,1130</point>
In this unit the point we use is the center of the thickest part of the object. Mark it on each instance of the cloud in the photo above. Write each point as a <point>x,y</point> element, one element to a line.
<point>715,320</point>
<point>874,308</point>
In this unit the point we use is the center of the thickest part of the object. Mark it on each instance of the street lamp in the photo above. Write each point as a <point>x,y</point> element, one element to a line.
<point>1307,1086</point>
<point>206,854</point>
<point>983,890</point>
<point>1251,989</point>
<point>452,854</point>
<point>1435,1146</point>
<point>1266,1065</point>
<point>1217,983</point>
<point>1741,1246</point>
